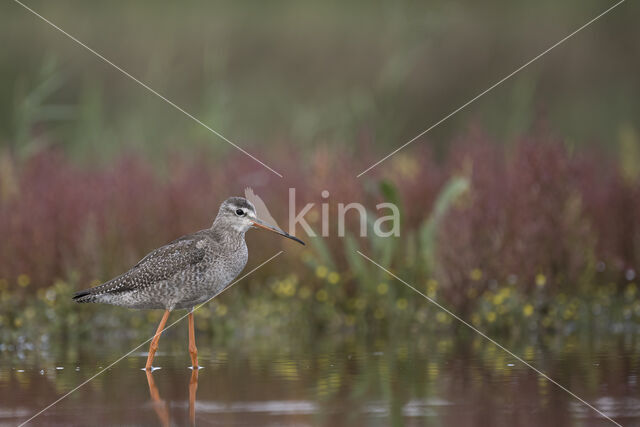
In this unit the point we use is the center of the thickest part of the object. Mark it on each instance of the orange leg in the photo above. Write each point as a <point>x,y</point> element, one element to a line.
<point>193,351</point>
<point>154,342</point>
<point>158,404</point>
<point>193,386</point>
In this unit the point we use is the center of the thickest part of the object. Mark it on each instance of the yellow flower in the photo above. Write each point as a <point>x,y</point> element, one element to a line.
<point>475,274</point>
<point>23,280</point>
<point>541,280</point>
<point>497,299</point>
<point>475,319</point>
<point>491,317</point>
<point>289,288</point>
<point>322,295</point>
<point>383,288</point>
<point>527,310</point>
<point>432,287</point>
<point>333,277</point>
<point>221,310</point>
<point>321,271</point>
<point>441,317</point>
<point>568,314</point>
<point>402,303</point>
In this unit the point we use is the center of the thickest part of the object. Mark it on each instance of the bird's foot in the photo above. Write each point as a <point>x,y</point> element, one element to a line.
<point>151,368</point>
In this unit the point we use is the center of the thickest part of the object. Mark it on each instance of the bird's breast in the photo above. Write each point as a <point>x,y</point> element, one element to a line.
<point>226,267</point>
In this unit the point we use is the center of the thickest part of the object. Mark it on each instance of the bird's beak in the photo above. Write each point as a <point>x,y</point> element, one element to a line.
<point>259,224</point>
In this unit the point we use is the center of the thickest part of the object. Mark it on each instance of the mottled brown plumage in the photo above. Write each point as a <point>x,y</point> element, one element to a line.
<point>188,271</point>
<point>160,265</point>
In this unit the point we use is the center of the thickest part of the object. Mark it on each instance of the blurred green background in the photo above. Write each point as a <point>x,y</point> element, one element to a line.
<point>310,73</point>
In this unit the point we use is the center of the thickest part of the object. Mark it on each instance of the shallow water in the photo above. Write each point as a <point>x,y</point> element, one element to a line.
<point>413,382</point>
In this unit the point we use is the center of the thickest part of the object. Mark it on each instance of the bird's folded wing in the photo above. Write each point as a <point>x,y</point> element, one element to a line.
<point>161,264</point>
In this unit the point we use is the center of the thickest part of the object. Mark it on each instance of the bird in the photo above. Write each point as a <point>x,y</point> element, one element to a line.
<point>186,272</point>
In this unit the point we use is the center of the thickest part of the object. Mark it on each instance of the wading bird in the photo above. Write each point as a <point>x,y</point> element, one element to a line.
<point>187,271</point>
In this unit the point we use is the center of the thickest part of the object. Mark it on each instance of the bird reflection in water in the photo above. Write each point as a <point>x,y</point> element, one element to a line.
<point>193,387</point>
<point>160,406</point>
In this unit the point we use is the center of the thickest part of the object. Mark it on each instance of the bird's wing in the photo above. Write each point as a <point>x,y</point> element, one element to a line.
<point>161,264</point>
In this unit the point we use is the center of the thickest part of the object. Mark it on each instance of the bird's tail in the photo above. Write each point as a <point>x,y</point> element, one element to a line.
<point>84,296</point>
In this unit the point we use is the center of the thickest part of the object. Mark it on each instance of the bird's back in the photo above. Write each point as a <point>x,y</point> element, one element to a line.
<point>183,273</point>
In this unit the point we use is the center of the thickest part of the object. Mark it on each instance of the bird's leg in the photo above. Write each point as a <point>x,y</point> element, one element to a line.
<point>158,404</point>
<point>193,386</point>
<point>154,342</point>
<point>193,351</point>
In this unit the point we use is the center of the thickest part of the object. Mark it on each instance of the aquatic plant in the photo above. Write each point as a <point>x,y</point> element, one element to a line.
<point>520,226</point>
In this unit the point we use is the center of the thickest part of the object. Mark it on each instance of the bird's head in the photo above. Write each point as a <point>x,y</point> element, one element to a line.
<point>240,214</point>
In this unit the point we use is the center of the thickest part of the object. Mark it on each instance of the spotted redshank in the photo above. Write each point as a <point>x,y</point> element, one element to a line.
<point>187,271</point>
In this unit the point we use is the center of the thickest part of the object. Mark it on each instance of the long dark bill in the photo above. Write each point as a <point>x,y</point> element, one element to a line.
<point>260,224</point>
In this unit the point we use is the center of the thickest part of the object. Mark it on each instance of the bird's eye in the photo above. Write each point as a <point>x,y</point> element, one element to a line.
<point>239,212</point>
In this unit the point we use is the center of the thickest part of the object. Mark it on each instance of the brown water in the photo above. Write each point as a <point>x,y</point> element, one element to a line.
<point>417,381</point>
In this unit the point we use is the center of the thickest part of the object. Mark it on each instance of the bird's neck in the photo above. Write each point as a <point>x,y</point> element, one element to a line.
<point>227,233</point>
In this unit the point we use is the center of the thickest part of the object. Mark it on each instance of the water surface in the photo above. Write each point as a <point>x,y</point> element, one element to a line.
<point>419,381</point>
